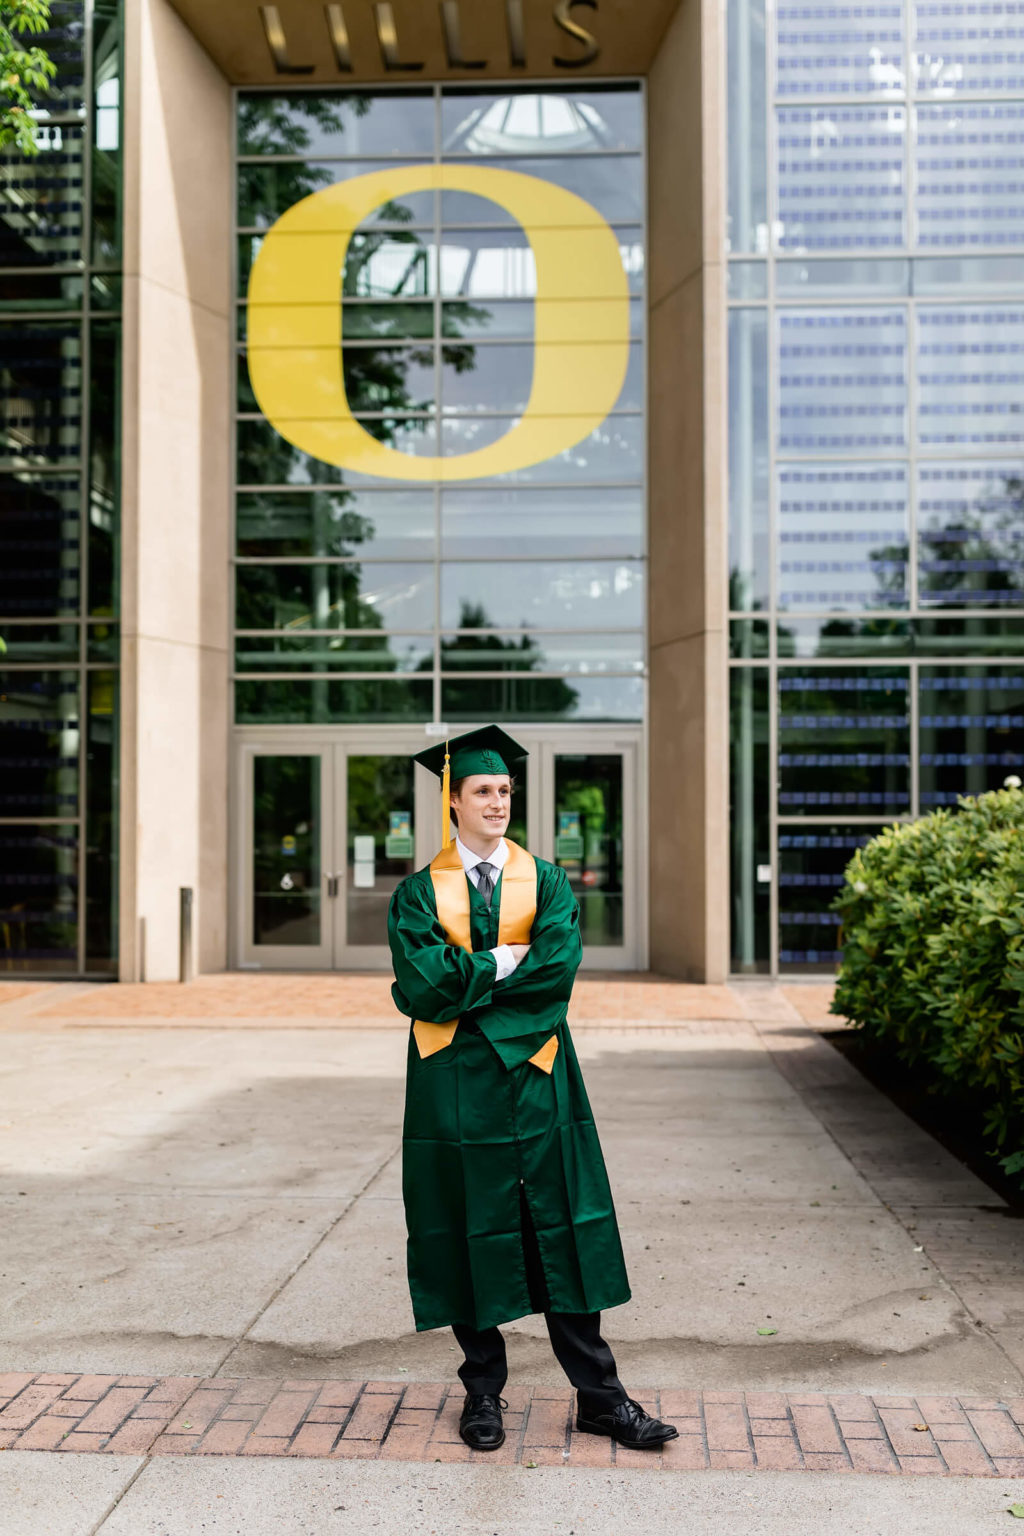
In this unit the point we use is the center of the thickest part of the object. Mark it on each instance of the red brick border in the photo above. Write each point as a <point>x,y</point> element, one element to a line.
<point>418,1421</point>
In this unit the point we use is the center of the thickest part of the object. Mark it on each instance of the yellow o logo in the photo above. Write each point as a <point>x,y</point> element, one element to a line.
<point>581,331</point>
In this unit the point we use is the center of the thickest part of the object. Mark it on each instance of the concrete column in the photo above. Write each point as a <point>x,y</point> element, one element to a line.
<point>688,530</point>
<point>177,384</point>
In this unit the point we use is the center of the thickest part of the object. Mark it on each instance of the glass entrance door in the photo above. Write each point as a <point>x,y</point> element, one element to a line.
<point>328,830</point>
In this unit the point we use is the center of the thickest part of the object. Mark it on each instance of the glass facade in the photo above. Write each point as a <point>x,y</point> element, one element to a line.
<point>60,338</point>
<point>518,595</point>
<point>876,371</point>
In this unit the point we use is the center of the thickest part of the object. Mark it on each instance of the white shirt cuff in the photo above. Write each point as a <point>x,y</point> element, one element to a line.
<point>505,961</point>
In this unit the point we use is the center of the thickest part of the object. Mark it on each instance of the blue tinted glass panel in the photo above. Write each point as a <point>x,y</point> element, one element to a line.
<point>971,730</point>
<point>970,175</point>
<point>812,864</point>
<point>842,380</point>
<point>970,364</point>
<point>844,742</point>
<point>977,47</point>
<point>840,178</point>
<point>749,821</point>
<point>839,50</point>
<point>842,536</point>
<point>970,520</point>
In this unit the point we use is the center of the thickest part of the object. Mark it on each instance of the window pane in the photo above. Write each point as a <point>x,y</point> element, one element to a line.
<point>351,596</point>
<point>615,451</point>
<point>556,121</point>
<point>269,188</point>
<point>471,700</point>
<point>848,637</point>
<point>41,390</point>
<point>748,125</point>
<point>333,123</point>
<point>963,636</point>
<point>52,643</point>
<point>286,885</point>
<point>313,701</point>
<point>499,377</point>
<point>564,319</point>
<point>392,319</point>
<point>38,899</point>
<point>812,866</point>
<point>613,184</point>
<point>39,740</point>
<point>970,535</point>
<point>537,524</point>
<point>526,652</point>
<point>336,522</point>
<point>840,177</point>
<point>749,555</point>
<point>747,280</point>
<point>974,48</point>
<point>41,201</point>
<point>537,594</point>
<point>335,653</point>
<point>104,466</point>
<point>267,458</point>
<point>936,275</point>
<point>842,536</point>
<point>101,849</point>
<point>750,832</point>
<point>839,50</point>
<point>844,742</point>
<point>380,813</point>
<point>969,163</point>
<point>494,263</point>
<point>389,378</point>
<point>588,840</point>
<point>39,529</point>
<point>842,380</point>
<point>835,278</point>
<point>971,731</point>
<point>971,375</point>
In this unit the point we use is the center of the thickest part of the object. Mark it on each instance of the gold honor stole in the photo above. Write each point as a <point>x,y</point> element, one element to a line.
<point>516,913</point>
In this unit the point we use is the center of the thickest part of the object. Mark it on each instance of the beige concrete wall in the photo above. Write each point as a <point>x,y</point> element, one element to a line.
<point>688,733</point>
<point>175,489</point>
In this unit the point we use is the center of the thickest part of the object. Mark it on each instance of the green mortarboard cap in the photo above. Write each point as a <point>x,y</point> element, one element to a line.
<point>488,750</point>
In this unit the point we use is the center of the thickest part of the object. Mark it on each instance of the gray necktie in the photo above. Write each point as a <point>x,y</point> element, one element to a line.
<point>486,882</point>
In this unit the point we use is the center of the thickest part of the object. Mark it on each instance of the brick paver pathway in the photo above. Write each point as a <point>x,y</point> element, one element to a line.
<point>360,999</point>
<point>418,1421</point>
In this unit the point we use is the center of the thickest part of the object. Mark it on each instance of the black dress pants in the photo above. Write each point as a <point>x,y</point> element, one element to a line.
<point>575,1338</point>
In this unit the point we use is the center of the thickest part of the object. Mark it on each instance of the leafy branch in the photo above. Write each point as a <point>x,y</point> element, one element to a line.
<point>25,72</point>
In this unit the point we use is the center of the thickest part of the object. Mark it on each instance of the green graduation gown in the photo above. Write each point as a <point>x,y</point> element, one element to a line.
<point>481,1121</point>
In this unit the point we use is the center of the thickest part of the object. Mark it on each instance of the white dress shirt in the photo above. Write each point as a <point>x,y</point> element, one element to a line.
<point>503,956</point>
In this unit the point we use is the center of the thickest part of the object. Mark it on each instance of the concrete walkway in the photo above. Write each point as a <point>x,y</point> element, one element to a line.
<point>204,1182</point>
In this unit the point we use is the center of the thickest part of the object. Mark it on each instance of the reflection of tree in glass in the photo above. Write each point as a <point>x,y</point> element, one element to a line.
<point>978,557</point>
<point>469,651</point>
<point>270,125</point>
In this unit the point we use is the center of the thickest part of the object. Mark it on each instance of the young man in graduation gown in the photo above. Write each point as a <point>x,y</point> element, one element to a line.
<point>506,1196</point>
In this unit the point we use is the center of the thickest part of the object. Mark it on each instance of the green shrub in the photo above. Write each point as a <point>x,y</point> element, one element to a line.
<point>933,955</point>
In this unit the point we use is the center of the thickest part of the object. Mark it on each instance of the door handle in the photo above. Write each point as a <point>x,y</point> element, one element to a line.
<point>333,883</point>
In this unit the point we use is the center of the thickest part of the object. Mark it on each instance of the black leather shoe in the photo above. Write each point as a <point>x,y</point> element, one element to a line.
<point>480,1425</point>
<point>630,1425</point>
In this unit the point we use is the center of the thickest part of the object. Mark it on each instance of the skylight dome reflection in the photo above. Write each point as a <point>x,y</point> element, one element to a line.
<point>524,125</point>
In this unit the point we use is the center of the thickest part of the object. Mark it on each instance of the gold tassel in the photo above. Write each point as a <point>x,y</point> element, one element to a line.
<point>446,803</point>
